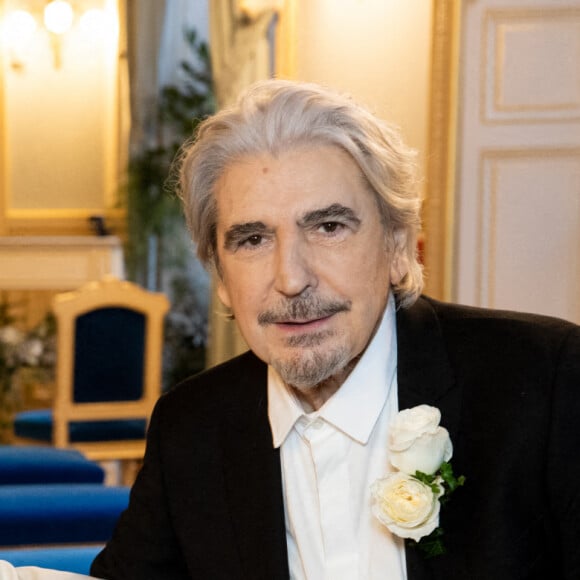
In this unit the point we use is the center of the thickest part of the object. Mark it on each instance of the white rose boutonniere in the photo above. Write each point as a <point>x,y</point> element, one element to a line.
<point>417,442</point>
<point>407,506</point>
<point>408,501</point>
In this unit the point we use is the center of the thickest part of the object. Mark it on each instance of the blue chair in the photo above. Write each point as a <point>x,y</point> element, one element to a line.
<point>108,375</point>
<point>38,464</point>
<point>59,513</point>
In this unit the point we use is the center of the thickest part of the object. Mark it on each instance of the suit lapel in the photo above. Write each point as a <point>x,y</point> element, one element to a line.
<point>425,376</point>
<point>253,480</point>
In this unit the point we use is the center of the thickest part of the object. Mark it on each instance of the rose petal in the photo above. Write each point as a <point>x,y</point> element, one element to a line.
<point>410,424</point>
<point>426,454</point>
<point>406,506</point>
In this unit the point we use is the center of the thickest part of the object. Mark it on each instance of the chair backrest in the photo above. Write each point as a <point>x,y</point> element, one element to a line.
<point>109,354</point>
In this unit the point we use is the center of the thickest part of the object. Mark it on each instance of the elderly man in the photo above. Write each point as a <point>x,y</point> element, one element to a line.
<point>292,460</point>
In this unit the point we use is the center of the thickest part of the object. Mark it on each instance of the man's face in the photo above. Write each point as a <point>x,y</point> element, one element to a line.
<point>303,260</point>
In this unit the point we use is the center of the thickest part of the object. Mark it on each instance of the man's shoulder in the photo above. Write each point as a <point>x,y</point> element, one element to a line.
<point>470,324</point>
<point>235,369</point>
<point>242,378</point>
<point>457,313</point>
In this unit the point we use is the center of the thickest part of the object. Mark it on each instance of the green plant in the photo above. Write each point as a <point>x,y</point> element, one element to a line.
<point>158,249</point>
<point>153,210</point>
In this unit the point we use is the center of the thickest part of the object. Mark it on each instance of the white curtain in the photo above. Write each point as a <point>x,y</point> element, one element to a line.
<point>180,15</point>
<point>144,28</point>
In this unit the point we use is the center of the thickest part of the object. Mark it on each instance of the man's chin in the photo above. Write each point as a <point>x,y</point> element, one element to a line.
<point>312,368</point>
<point>308,340</point>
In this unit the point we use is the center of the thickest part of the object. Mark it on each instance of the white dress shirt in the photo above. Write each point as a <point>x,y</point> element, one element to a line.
<point>329,460</point>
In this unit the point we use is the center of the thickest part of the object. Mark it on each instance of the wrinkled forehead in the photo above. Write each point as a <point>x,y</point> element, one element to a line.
<point>294,182</point>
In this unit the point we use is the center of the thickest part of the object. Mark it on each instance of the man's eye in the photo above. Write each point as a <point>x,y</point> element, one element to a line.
<point>330,227</point>
<point>254,240</point>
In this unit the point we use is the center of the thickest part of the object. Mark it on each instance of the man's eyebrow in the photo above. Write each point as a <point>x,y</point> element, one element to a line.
<point>328,214</point>
<point>239,232</point>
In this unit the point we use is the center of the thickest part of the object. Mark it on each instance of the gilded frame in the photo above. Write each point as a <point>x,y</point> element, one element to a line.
<point>440,170</point>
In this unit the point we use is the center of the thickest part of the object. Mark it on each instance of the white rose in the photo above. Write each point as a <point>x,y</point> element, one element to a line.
<point>405,505</point>
<point>417,442</point>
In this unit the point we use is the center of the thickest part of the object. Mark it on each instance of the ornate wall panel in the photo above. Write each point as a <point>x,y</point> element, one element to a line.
<point>522,81</point>
<point>518,157</point>
<point>523,259</point>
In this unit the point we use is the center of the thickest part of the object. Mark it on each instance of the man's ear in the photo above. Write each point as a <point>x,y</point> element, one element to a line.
<point>223,293</point>
<point>399,268</point>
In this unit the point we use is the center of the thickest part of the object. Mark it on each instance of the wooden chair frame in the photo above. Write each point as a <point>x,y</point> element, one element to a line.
<point>107,293</point>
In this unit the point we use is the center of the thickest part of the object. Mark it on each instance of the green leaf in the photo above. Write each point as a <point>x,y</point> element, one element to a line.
<point>450,482</point>
<point>429,480</point>
<point>431,545</point>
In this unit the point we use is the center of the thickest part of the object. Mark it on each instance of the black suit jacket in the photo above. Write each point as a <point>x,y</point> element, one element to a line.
<point>208,502</point>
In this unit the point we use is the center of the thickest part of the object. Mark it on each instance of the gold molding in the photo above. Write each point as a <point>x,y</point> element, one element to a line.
<point>440,170</point>
<point>68,222</point>
<point>3,193</point>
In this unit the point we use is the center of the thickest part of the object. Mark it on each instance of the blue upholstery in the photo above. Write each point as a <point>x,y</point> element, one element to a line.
<point>109,355</point>
<point>108,367</point>
<point>29,465</point>
<point>104,380</point>
<point>75,559</point>
<point>37,425</point>
<point>59,513</point>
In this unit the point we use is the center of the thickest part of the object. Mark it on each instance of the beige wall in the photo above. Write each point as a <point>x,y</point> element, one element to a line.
<point>60,114</point>
<point>377,50</point>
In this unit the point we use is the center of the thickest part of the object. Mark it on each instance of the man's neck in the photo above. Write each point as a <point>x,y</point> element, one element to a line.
<point>312,398</point>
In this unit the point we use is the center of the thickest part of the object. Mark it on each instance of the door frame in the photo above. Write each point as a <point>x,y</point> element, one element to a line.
<point>439,206</point>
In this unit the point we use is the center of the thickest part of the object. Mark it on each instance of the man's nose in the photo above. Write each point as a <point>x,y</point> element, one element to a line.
<point>294,267</point>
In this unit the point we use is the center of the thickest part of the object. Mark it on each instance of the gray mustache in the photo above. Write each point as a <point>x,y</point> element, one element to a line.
<point>303,309</point>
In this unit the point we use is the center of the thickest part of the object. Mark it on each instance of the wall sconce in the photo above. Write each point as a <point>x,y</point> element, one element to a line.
<point>57,17</point>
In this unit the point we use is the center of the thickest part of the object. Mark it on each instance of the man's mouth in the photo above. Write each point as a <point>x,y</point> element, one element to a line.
<point>303,321</point>
<point>303,324</point>
<point>303,313</point>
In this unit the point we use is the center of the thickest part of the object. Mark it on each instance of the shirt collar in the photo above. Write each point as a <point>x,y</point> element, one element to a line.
<point>356,406</point>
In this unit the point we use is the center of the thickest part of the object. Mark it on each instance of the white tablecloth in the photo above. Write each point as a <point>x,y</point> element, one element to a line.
<point>9,572</point>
